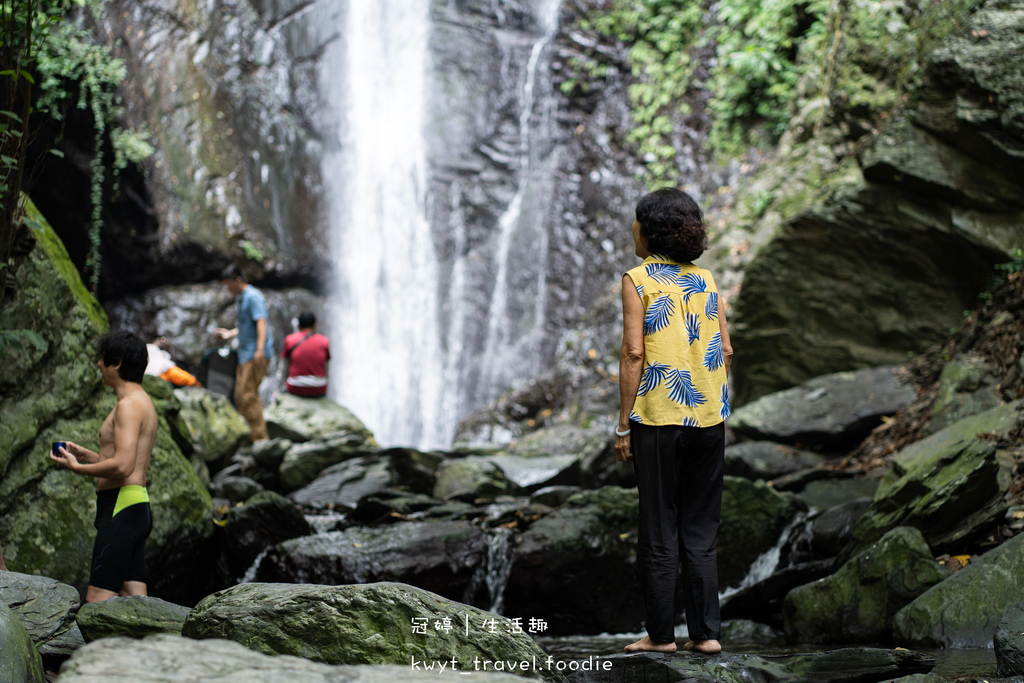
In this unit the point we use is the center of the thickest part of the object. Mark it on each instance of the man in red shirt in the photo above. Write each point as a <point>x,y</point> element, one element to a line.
<point>306,354</point>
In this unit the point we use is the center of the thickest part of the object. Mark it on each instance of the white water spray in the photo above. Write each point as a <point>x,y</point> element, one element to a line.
<point>383,313</point>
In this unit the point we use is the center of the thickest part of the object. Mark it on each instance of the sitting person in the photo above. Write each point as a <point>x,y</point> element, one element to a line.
<point>160,365</point>
<point>306,353</point>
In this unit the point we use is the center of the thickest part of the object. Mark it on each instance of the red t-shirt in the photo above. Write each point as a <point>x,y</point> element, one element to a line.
<point>307,374</point>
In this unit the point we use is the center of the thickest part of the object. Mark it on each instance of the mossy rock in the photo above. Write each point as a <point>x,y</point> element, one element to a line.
<point>470,478</point>
<point>134,617</point>
<point>210,425</point>
<point>753,517</point>
<point>20,662</point>
<point>965,609</point>
<point>374,623</point>
<point>857,603</point>
<point>947,485</point>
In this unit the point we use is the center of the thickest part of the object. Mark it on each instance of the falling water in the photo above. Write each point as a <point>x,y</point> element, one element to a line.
<point>383,317</point>
<point>508,356</point>
<point>410,356</point>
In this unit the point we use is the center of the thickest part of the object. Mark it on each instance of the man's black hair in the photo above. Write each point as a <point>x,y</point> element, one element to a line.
<point>306,320</point>
<point>126,348</point>
<point>673,224</point>
<point>232,272</point>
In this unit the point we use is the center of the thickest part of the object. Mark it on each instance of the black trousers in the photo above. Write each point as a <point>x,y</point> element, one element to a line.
<point>679,477</point>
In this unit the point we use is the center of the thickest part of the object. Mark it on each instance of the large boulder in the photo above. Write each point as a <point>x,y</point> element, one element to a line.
<point>265,520</point>
<point>857,603</point>
<point>304,462</point>
<point>210,425</point>
<point>947,485</point>
<point>20,662</point>
<point>470,478</point>
<point>173,659</point>
<point>133,617</point>
<point>860,665</point>
<point>444,557</point>
<point>305,419</point>
<point>377,623</point>
<point>344,484</point>
<point>574,554</point>
<point>753,517</point>
<point>532,473</point>
<point>967,386</point>
<point>57,395</point>
<point>45,607</point>
<point>1009,642</point>
<point>832,411</point>
<point>965,609</point>
<point>767,460</point>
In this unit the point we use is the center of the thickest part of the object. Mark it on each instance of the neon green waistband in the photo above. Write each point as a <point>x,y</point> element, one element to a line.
<point>130,495</point>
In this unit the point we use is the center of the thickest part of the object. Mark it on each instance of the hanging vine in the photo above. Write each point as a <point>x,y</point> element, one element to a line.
<point>73,61</point>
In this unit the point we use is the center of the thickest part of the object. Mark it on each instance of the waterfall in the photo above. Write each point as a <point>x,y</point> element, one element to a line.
<point>506,357</point>
<point>383,319</point>
<point>411,354</point>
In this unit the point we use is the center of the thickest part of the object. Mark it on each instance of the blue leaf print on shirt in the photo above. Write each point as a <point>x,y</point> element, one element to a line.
<point>714,357</point>
<point>711,307</point>
<point>633,417</point>
<point>692,284</point>
<point>640,290</point>
<point>653,374</point>
<point>656,318</point>
<point>692,327</point>
<point>665,273</point>
<point>690,422</point>
<point>681,389</point>
<point>726,411</point>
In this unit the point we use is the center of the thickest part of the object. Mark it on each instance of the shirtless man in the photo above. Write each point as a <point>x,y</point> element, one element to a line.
<point>123,517</point>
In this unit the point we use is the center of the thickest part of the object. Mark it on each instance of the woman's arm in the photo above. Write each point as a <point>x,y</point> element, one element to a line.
<point>631,362</point>
<point>724,329</point>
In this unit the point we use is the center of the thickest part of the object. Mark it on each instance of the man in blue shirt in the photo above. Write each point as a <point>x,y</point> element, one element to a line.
<point>255,348</point>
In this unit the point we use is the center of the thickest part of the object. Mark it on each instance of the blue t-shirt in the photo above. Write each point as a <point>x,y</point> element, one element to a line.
<point>252,306</point>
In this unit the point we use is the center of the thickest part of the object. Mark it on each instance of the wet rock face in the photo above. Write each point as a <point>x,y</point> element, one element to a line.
<point>1009,642</point>
<point>229,91</point>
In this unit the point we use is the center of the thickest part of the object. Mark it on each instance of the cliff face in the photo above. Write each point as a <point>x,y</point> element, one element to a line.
<point>877,240</point>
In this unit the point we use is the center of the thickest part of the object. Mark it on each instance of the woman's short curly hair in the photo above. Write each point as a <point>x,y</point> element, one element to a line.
<point>672,224</point>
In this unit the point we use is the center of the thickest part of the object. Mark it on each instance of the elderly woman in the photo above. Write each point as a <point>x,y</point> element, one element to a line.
<point>674,395</point>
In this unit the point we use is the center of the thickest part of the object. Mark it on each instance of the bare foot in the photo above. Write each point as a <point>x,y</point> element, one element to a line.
<point>645,644</point>
<point>708,647</point>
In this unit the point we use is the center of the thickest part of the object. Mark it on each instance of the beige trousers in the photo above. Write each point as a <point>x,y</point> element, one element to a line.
<point>247,396</point>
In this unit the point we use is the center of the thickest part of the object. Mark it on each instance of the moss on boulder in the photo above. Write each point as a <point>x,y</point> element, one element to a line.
<point>857,603</point>
<point>377,623</point>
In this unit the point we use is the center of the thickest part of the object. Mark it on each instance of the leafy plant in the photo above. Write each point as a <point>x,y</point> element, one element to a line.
<point>252,252</point>
<point>49,61</point>
<point>1015,264</point>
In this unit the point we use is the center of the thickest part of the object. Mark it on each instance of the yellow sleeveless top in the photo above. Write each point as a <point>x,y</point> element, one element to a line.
<point>684,380</point>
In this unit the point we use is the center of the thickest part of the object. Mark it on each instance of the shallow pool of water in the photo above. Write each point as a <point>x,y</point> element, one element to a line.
<point>949,663</point>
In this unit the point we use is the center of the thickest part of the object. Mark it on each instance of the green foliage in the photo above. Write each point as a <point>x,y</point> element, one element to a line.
<point>48,56</point>
<point>251,250</point>
<point>72,59</point>
<point>1015,264</point>
<point>752,81</point>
